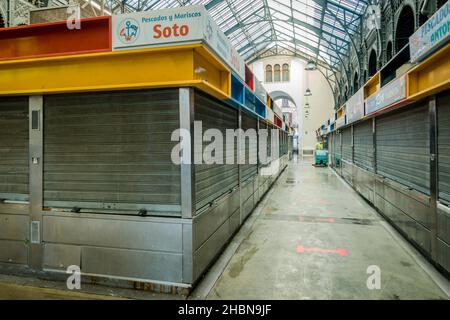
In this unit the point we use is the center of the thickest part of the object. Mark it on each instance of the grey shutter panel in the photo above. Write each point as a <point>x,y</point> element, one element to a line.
<point>347,144</point>
<point>251,147</point>
<point>443,113</point>
<point>112,151</point>
<point>214,180</point>
<point>337,145</point>
<point>403,147</point>
<point>363,145</point>
<point>14,142</point>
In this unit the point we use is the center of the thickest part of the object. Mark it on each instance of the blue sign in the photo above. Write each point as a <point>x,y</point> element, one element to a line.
<point>431,35</point>
<point>391,93</point>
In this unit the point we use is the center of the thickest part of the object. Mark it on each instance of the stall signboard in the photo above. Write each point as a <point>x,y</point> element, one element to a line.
<point>433,34</point>
<point>355,106</point>
<point>340,122</point>
<point>387,95</point>
<point>189,24</point>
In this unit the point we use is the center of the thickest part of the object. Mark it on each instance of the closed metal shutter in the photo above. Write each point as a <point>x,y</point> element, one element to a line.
<point>403,147</point>
<point>331,144</point>
<point>251,147</point>
<point>347,144</point>
<point>112,151</point>
<point>14,139</point>
<point>363,145</point>
<point>337,145</point>
<point>443,113</point>
<point>214,180</point>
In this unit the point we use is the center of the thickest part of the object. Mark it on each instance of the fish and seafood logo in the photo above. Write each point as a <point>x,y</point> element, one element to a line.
<point>128,31</point>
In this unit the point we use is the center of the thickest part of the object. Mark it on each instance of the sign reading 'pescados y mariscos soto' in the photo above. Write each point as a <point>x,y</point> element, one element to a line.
<point>188,24</point>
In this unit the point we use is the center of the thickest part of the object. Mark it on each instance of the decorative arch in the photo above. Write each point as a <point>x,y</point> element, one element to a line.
<point>277,95</point>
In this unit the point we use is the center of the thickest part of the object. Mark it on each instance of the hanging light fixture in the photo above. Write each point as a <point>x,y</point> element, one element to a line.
<point>310,66</point>
<point>307,105</point>
<point>308,93</point>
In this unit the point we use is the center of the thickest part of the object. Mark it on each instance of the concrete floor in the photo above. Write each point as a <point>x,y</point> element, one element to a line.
<point>290,251</point>
<point>312,237</point>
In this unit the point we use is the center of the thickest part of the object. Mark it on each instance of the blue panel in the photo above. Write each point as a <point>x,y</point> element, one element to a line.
<point>250,100</point>
<point>237,89</point>
<point>260,108</point>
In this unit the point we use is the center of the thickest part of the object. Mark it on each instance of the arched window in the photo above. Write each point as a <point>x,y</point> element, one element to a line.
<point>405,27</point>
<point>355,82</point>
<point>389,51</point>
<point>285,72</point>
<point>269,73</point>
<point>372,63</point>
<point>277,73</point>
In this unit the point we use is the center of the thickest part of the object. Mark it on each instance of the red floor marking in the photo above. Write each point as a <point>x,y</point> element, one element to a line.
<point>340,251</point>
<point>330,220</point>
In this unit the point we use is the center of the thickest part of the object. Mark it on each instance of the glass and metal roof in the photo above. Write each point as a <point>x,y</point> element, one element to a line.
<point>318,30</point>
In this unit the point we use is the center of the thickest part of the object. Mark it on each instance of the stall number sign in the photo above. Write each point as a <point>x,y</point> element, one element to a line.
<point>162,27</point>
<point>431,35</point>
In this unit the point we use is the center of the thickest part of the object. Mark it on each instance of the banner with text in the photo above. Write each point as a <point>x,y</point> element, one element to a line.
<point>387,95</point>
<point>178,25</point>
<point>355,106</point>
<point>435,32</point>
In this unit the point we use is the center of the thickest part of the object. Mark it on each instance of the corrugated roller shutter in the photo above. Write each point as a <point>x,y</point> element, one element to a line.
<point>250,168</point>
<point>331,144</point>
<point>403,148</point>
<point>14,139</point>
<point>347,144</point>
<point>214,180</point>
<point>112,151</point>
<point>337,145</point>
<point>443,113</point>
<point>363,145</point>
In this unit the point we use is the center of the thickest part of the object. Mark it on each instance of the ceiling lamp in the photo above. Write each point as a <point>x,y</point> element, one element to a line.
<point>310,66</point>
<point>308,93</point>
<point>307,105</point>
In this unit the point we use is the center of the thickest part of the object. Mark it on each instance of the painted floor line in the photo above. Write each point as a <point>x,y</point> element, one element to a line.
<point>421,261</point>
<point>205,285</point>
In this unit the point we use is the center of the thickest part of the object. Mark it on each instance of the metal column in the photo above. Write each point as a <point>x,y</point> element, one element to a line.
<point>187,158</point>
<point>374,136</point>
<point>36,180</point>
<point>187,167</point>
<point>433,175</point>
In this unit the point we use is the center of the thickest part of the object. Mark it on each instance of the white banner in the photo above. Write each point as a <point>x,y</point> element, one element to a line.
<point>355,106</point>
<point>162,27</point>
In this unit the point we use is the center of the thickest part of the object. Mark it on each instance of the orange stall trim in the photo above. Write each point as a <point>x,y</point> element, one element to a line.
<point>55,39</point>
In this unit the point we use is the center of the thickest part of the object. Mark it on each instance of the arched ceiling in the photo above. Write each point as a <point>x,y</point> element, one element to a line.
<point>318,30</point>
